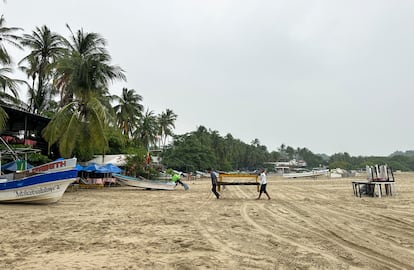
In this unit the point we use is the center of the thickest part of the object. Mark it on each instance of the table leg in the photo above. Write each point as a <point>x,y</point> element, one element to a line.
<point>392,189</point>
<point>379,190</point>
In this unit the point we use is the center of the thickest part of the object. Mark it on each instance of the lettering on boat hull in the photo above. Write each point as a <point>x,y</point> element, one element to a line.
<point>37,191</point>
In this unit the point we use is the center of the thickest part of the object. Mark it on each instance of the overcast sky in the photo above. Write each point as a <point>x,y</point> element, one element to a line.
<point>332,76</point>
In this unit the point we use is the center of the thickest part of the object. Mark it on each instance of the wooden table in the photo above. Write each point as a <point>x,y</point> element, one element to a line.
<point>389,187</point>
<point>371,186</point>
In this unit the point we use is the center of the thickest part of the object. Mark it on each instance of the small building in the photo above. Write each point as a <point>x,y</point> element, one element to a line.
<point>24,127</point>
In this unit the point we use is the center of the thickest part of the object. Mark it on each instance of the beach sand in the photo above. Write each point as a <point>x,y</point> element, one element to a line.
<point>308,224</point>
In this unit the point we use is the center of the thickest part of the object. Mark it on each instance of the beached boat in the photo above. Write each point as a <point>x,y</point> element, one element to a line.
<point>41,184</point>
<point>144,183</point>
<point>313,173</point>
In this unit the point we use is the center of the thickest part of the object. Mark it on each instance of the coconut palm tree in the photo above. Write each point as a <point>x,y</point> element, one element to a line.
<point>255,142</point>
<point>166,122</point>
<point>46,47</point>
<point>39,101</point>
<point>8,92</point>
<point>7,36</point>
<point>85,67</point>
<point>7,83</point>
<point>30,70</point>
<point>83,74</point>
<point>128,110</point>
<point>147,130</point>
<point>81,123</point>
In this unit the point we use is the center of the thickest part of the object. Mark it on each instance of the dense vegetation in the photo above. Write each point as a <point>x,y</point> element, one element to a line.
<point>68,79</point>
<point>206,148</point>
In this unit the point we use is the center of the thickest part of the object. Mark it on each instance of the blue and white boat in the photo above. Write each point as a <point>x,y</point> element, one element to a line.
<point>42,184</point>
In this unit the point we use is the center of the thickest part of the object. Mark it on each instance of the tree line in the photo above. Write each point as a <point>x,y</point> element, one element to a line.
<point>204,148</point>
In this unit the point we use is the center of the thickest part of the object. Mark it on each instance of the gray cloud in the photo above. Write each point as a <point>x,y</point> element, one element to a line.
<point>333,76</point>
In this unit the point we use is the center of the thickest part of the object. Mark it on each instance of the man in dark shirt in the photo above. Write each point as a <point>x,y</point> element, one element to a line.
<point>213,183</point>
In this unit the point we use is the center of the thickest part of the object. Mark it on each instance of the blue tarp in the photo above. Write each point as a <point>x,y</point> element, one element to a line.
<point>108,168</point>
<point>113,168</point>
<point>102,169</point>
<point>91,167</point>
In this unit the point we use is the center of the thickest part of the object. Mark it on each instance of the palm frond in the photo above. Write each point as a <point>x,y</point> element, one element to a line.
<point>56,127</point>
<point>70,134</point>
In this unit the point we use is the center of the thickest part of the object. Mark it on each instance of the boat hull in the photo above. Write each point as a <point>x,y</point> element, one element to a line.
<point>39,188</point>
<point>306,174</point>
<point>144,183</point>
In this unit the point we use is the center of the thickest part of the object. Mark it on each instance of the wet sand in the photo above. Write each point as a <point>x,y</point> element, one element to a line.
<point>308,224</point>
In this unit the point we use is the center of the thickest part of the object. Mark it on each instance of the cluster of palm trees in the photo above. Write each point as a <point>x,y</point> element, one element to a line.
<point>68,79</point>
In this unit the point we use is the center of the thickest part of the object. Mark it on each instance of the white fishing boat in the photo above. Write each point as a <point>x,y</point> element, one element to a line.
<point>42,184</point>
<point>144,183</point>
<point>313,173</point>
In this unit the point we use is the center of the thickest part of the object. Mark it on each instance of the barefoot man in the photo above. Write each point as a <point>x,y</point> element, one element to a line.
<point>263,183</point>
<point>213,183</point>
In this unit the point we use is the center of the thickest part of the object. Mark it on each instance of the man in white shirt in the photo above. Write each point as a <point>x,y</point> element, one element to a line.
<point>263,184</point>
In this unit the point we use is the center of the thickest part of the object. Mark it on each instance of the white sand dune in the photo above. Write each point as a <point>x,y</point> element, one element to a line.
<point>308,224</point>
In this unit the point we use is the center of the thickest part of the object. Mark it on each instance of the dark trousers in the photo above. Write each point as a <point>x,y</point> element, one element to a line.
<point>214,190</point>
<point>179,182</point>
<point>263,188</point>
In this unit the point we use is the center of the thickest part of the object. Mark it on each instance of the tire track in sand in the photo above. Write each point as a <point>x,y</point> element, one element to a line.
<point>211,236</point>
<point>372,255</point>
<point>333,237</point>
<point>287,241</point>
<point>355,213</point>
<point>281,239</point>
<point>391,238</point>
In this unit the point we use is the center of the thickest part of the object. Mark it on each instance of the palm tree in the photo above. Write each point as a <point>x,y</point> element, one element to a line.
<point>147,130</point>
<point>6,82</point>
<point>166,122</point>
<point>7,37</point>
<point>46,47</point>
<point>85,67</point>
<point>30,70</point>
<point>83,74</point>
<point>128,110</point>
<point>39,101</point>
<point>255,142</point>
<point>80,123</point>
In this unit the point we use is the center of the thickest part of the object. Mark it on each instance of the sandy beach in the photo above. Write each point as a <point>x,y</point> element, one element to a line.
<point>308,224</point>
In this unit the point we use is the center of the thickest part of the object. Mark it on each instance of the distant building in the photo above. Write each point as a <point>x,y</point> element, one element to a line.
<point>290,163</point>
<point>118,160</point>
<point>282,167</point>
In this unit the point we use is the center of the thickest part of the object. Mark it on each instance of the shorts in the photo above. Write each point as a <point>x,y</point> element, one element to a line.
<point>263,188</point>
